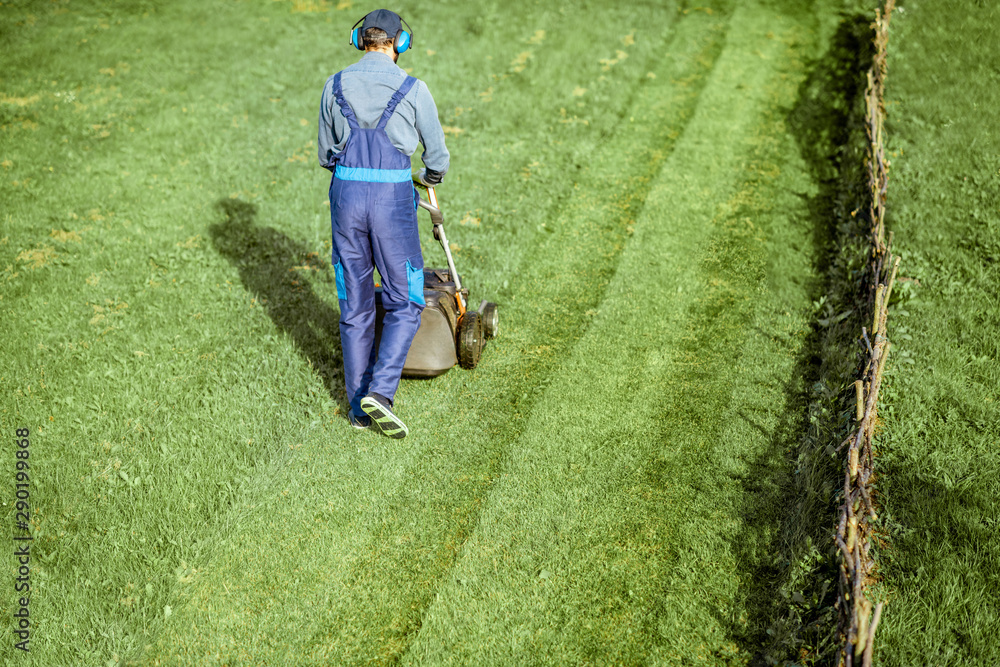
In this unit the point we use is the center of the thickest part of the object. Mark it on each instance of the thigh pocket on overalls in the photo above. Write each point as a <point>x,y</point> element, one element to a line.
<point>338,271</point>
<point>415,283</point>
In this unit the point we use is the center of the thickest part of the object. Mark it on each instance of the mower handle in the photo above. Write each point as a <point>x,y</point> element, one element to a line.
<point>430,206</point>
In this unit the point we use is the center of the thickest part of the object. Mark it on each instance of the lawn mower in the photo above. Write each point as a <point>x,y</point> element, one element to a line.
<point>449,332</point>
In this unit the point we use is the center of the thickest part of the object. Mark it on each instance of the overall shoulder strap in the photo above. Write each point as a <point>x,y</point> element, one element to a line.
<point>395,100</point>
<point>345,108</point>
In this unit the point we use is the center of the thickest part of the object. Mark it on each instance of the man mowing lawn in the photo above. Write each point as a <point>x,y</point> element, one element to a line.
<point>371,117</point>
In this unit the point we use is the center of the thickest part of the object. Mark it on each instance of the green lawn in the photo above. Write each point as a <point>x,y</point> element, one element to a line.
<point>611,485</point>
<point>940,465</point>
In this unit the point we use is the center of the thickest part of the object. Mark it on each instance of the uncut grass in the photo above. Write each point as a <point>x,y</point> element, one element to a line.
<point>939,466</point>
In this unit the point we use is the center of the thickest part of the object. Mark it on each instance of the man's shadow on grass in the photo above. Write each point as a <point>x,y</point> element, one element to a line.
<point>272,267</point>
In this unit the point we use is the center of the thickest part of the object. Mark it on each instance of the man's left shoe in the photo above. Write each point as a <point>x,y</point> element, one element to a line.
<point>362,423</point>
<point>379,409</point>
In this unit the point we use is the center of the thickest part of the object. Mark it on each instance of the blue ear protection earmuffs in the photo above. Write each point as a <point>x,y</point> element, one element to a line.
<point>403,40</point>
<point>356,39</point>
<point>400,43</point>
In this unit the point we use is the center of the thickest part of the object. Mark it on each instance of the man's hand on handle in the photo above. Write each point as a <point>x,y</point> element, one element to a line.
<point>429,178</point>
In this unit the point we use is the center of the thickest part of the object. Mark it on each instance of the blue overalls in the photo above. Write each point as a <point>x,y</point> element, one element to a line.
<point>373,206</point>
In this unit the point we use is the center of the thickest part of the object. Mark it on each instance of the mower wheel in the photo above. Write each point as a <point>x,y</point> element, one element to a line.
<point>470,340</point>
<point>491,320</point>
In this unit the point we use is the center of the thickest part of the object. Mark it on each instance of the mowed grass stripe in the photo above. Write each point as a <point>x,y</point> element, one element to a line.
<point>383,532</point>
<point>638,507</point>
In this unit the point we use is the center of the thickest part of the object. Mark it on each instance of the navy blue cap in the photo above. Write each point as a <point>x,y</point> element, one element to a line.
<point>384,19</point>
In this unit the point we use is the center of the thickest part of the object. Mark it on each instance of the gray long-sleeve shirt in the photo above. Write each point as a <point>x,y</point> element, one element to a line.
<point>367,85</point>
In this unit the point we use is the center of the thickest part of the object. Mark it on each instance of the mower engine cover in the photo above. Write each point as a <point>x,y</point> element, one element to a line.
<point>433,349</point>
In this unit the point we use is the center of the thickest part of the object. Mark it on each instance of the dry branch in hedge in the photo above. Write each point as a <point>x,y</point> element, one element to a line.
<point>858,620</point>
